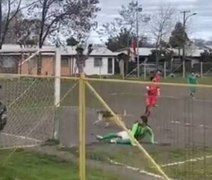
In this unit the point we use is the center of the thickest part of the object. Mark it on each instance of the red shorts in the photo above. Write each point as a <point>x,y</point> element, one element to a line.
<point>151,100</point>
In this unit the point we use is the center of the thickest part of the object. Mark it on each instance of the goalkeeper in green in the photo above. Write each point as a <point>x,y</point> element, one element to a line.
<point>192,80</point>
<point>138,131</point>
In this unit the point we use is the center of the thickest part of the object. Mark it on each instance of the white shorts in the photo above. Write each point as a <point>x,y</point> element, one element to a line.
<point>123,134</point>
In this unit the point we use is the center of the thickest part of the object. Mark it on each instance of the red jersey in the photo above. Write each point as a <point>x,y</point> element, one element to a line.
<point>152,90</point>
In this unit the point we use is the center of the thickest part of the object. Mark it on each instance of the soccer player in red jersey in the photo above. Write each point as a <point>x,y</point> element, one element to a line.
<point>157,79</point>
<point>158,76</point>
<point>152,93</point>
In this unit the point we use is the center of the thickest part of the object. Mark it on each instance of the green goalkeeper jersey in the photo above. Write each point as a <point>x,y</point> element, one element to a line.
<point>192,79</point>
<point>140,131</point>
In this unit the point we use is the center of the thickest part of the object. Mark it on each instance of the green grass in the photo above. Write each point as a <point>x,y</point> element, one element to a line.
<point>192,170</point>
<point>25,165</point>
<point>32,166</point>
<point>41,92</point>
<point>161,154</point>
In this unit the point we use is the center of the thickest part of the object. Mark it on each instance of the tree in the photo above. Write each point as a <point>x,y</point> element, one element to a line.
<point>120,41</point>
<point>71,41</point>
<point>124,39</point>
<point>161,25</point>
<point>126,22</point>
<point>122,30</point>
<point>63,17</point>
<point>206,56</point>
<point>27,32</point>
<point>23,31</point>
<point>178,37</point>
<point>81,57</point>
<point>8,11</point>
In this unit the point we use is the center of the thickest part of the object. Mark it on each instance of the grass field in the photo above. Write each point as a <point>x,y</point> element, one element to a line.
<point>25,165</point>
<point>34,104</point>
<point>188,164</point>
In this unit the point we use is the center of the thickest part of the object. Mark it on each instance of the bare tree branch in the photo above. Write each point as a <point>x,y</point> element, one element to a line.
<point>162,23</point>
<point>126,21</point>
<point>10,15</point>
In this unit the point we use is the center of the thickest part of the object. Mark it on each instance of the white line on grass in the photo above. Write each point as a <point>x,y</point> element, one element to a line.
<point>22,137</point>
<point>191,125</point>
<point>141,171</point>
<point>187,161</point>
<point>17,147</point>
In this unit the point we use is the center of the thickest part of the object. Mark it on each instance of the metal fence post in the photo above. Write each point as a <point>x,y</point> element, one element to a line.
<point>164,69</point>
<point>57,87</point>
<point>82,163</point>
<point>201,69</point>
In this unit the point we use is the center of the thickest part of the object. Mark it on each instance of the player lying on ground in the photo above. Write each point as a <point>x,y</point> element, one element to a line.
<point>138,131</point>
<point>193,81</point>
<point>152,93</point>
<point>3,116</point>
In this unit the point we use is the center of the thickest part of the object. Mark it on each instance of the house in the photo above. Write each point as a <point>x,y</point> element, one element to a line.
<point>14,59</point>
<point>100,62</point>
<point>193,55</point>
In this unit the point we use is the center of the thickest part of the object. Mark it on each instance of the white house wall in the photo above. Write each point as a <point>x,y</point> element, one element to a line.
<point>103,70</point>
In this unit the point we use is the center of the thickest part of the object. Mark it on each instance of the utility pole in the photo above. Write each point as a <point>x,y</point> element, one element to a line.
<point>137,41</point>
<point>138,10</point>
<point>185,18</point>
<point>184,37</point>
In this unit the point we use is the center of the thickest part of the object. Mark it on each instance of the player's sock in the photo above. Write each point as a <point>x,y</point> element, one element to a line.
<point>147,109</point>
<point>147,112</point>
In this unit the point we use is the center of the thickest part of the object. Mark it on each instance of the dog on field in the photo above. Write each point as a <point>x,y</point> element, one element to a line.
<point>106,117</point>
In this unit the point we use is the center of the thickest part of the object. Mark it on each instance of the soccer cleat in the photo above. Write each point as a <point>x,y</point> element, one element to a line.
<point>113,141</point>
<point>99,137</point>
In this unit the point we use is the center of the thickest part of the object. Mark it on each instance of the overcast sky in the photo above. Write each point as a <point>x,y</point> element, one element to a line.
<point>200,25</point>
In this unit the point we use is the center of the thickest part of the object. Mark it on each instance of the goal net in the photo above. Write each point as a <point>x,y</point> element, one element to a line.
<point>30,106</point>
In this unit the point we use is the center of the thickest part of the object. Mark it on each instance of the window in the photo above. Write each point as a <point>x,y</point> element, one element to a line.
<point>64,62</point>
<point>97,62</point>
<point>110,65</point>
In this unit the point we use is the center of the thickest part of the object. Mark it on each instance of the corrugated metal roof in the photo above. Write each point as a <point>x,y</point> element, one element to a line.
<point>192,52</point>
<point>98,51</point>
<point>142,51</point>
<point>12,48</point>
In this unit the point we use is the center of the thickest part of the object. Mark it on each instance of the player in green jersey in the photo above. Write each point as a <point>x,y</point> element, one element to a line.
<point>192,81</point>
<point>138,131</point>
